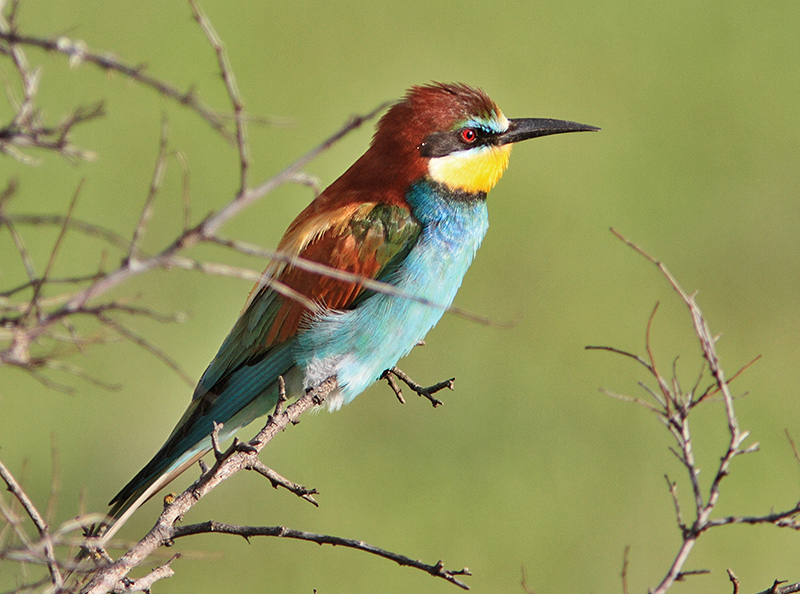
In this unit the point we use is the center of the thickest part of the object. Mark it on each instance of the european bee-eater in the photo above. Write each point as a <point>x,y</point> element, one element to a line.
<point>411,212</point>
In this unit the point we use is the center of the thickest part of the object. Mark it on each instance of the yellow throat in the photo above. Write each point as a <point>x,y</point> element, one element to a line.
<point>476,170</point>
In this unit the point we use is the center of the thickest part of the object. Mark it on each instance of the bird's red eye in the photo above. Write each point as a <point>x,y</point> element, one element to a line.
<point>469,135</point>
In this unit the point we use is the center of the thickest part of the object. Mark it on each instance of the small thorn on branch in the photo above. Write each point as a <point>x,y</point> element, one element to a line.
<point>218,453</point>
<point>420,390</point>
<point>242,446</point>
<point>776,587</point>
<point>438,570</point>
<point>684,574</point>
<point>281,396</point>
<point>143,584</point>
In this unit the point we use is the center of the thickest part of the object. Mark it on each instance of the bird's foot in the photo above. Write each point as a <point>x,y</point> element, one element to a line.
<point>390,374</point>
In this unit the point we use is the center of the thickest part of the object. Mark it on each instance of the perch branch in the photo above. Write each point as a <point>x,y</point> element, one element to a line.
<point>108,578</point>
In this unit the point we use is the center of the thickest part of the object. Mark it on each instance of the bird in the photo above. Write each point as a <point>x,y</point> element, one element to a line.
<point>410,212</point>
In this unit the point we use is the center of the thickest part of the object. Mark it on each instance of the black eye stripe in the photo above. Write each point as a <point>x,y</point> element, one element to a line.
<point>441,144</point>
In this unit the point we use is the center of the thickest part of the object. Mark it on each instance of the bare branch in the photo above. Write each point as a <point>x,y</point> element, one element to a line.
<point>233,93</point>
<point>776,588</point>
<point>37,288</point>
<point>703,333</point>
<point>212,527</point>
<point>673,407</point>
<point>524,582</point>
<point>186,200</point>
<point>26,128</point>
<point>793,445</point>
<point>146,345</point>
<point>636,358</point>
<point>624,573</point>
<point>38,521</point>
<point>734,581</point>
<point>85,227</point>
<point>784,519</point>
<point>144,584</point>
<point>23,252</point>
<point>281,396</point>
<point>155,183</point>
<point>673,491</point>
<point>243,200</point>
<point>203,232</point>
<point>714,389</point>
<point>78,52</point>
<point>658,412</point>
<point>279,481</point>
<point>108,578</point>
<point>236,458</point>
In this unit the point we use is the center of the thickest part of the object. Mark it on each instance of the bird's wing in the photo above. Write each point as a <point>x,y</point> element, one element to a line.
<point>368,239</point>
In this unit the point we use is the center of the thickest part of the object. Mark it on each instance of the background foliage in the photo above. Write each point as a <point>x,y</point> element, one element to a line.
<point>527,463</point>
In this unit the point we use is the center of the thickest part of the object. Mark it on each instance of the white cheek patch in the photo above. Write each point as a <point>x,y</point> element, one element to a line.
<point>503,121</point>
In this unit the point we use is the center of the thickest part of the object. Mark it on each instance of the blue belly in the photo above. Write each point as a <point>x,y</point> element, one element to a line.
<point>358,345</point>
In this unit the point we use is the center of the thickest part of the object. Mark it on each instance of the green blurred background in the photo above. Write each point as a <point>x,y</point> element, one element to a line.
<point>527,464</point>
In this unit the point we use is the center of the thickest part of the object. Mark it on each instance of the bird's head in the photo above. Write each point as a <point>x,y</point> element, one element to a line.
<point>456,135</point>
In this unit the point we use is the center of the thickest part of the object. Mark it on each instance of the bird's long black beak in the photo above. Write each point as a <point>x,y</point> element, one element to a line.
<point>524,128</point>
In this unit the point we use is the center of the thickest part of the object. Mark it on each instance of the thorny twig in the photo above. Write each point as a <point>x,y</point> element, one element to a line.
<point>41,526</point>
<point>144,584</point>
<point>78,52</point>
<point>233,460</point>
<point>27,128</point>
<point>23,332</point>
<point>672,406</point>
<point>247,532</point>
<point>231,87</point>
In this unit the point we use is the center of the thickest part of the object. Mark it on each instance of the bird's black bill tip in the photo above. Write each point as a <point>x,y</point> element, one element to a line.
<point>525,128</point>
